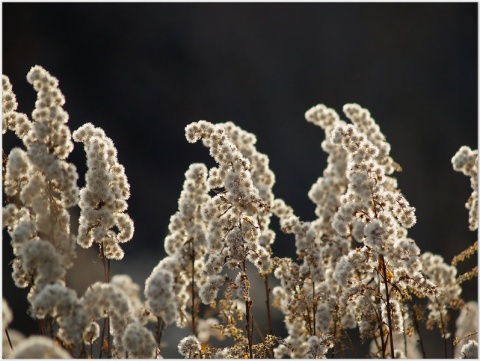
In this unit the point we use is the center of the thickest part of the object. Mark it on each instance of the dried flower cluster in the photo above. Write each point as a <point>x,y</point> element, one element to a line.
<point>466,162</point>
<point>103,200</point>
<point>357,270</point>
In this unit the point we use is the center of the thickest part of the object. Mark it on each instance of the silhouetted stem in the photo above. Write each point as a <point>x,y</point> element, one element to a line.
<point>267,302</point>
<point>389,307</point>
<point>380,330</point>
<point>194,328</point>
<point>249,324</point>
<point>159,331</point>
<point>417,328</point>
<point>109,338</point>
<point>351,344</point>
<point>106,320</point>
<point>454,330</point>
<point>83,351</point>
<point>41,327</point>
<point>8,338</point>
<point>102,339</point>
<point>314,309</point>
<point>404,336</point>
<point>444,334</point>
<point>335,331</point>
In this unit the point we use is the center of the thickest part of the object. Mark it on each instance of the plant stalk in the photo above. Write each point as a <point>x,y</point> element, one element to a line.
<point>194,328</point>
<point>159,331</point>
<point>389,307</point>
<point>8,338</point>
<point>249,324</point>
<point>444,334</point>
<point>417,328</point>
<point>102,339</point>
<point>267,302</point>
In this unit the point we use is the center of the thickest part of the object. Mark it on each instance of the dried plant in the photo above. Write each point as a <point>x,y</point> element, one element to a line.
<point>356,271</point>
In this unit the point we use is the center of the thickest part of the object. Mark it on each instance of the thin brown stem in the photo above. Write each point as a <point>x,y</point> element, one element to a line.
<point>194,328</point>
<point>444,334</point>
<point>106,321</point>
<point>307,316</point>
<point>454,330</point>
<point>351,344</point>
<point>417,328</point>
<point>8,338</point>
<point>83,351</point>
<point>41,327</point>
<point>250,327</point>
<point>308,321</point>
<point>335,331</point>
<point>158,334</point>
<point>102,339</point>
<point>262,336</point>
<point>380,331</point>
<point>314,308</point>
<point>404,335</point>
<point>51,321</point>
<point>248,316</point>
<point>259,331</point>
<point>267,302</point>
<point>389,306</point>
<point>109,341</point>
<point>102,256</point>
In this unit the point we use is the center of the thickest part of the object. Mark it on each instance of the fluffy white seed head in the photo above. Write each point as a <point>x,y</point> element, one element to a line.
<point>466,161</point>
<point>9,100</point>
<point>91,333</point>
<point>466,324</point>
<point>160,296</point>
<point>103,200</point>
<point>208,292</point>
<point>139,341</point>
<point>39,347</point>
<point>469,350</point>
<point>189,346</point>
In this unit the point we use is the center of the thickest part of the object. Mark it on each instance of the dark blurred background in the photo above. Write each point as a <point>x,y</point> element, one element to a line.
<point>142,72</point>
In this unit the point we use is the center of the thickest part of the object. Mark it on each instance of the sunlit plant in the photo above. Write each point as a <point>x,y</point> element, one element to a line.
<point>357,269</point>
